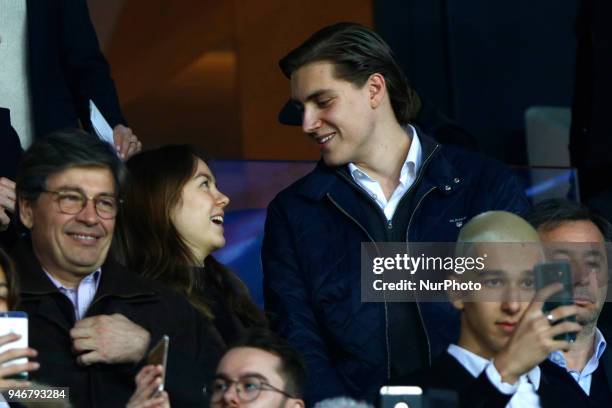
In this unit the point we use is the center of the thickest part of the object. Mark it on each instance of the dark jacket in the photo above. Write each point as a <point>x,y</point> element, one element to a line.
<point>591,128</point>
<point>447,373</point>
<point>65,70</point>
<point>10,154</point>
<point>66,67</point>
<point>311,263</point>
<point>229,302</point>
<point>600,394</point>
<point>195,347</point>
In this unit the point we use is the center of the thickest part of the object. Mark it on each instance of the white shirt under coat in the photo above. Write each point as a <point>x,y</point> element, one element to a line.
<point>408,174</point>
<point>524,391</point>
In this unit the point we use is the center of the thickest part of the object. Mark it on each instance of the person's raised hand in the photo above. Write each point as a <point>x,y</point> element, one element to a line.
<point>13,369</point>
<point>126,142</point>
<point>148,380</point>
<point>533,339</point>
<point>7,201</point>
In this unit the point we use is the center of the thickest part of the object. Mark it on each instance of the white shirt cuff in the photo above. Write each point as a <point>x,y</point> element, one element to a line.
<point>495,378</point>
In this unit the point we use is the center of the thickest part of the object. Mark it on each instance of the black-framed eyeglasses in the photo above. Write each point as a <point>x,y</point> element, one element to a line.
<point>248,388</point>
<point>73,201</point>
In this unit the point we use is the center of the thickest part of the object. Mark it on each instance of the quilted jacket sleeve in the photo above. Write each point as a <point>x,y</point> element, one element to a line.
<point>289,308</point>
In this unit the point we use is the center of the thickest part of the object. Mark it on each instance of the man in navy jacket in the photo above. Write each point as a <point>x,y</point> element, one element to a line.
<point>380,180</point>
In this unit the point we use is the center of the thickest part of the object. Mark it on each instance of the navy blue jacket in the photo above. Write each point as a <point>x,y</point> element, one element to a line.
<point>311,263</point>
<point>66,67</point>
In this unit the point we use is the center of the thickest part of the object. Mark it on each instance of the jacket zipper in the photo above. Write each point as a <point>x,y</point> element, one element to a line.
<point>368,197</point>
<point>389,224</point>
<point>416,208</point>
<point>415,298</point>
<point>343,211</point>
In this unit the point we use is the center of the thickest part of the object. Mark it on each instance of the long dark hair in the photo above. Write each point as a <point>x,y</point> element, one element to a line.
<point>12,282</point>
<point>152,246</point>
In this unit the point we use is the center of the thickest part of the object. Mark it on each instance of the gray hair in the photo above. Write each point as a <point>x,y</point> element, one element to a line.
<point>60,151</point>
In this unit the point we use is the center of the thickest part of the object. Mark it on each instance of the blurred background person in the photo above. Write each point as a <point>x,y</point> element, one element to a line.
<point>8,300</point>
<point>172,221</point>
<point>51,66</point>
<point>574,233</point>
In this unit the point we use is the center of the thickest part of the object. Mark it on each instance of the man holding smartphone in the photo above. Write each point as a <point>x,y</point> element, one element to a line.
<point>573,233</point>
<point>504,333</point>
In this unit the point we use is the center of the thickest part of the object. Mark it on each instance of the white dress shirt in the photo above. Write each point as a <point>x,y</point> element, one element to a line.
<point>81,296</point>
<point>524,391</point>
<point>408,174</point>
<point>584,377</point>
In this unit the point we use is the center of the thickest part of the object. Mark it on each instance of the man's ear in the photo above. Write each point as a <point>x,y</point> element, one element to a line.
<point>377,88</point>
<point>297,403</point>
<point>455,298</point>
<point>26,213</point>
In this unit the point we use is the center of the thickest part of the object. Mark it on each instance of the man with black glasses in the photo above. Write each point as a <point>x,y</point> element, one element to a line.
<point>92,320</point>
<point>259,371</point>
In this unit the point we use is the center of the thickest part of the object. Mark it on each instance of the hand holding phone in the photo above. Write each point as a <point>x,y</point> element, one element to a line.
<point>14,350</point>
<point>147,384</point>
<point>158,356</point>
<point>533,339</point>
<point>548,273</point>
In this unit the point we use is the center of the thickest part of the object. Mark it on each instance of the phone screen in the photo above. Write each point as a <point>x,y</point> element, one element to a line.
<point>15,322</point>
<point>548,273</point>
<point>401,397</point>
<point>159,356</point>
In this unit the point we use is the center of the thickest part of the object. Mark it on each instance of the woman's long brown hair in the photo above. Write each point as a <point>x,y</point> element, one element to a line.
<point>12,281</point>
<point>153,247</point>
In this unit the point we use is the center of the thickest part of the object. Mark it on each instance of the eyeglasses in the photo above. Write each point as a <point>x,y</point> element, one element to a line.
<point>72,202</point>
<point>248,388</point>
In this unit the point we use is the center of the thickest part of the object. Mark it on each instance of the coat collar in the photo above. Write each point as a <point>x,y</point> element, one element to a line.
<point>116,280</point>
<point>606,362</point>
<point>437,170</point>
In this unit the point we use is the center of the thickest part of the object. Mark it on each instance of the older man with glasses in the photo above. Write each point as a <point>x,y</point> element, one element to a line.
<point>91,319</point>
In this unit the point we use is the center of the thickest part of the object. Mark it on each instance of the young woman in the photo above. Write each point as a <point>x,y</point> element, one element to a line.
<point>171,222</point>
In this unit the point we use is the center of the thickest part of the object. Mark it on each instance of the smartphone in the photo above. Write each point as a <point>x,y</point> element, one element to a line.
<point>15,322</point>
<point>393,396</point>
<point>159,356</point>
<point>548,273</point>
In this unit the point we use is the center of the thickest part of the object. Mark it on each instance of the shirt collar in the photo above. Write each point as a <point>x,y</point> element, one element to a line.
<point>94,276</point>
<point>476,364</point>
<point>600,343</point>
<point>411,165</point>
